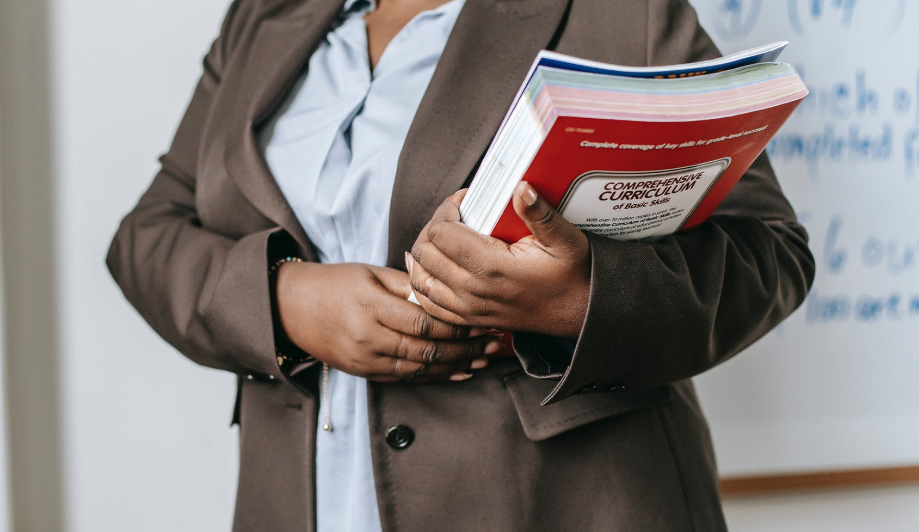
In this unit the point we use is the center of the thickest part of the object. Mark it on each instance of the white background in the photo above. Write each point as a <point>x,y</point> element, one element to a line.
<point>145,439</point>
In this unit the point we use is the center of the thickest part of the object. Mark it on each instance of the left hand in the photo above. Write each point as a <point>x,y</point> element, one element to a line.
<point>540,284</point>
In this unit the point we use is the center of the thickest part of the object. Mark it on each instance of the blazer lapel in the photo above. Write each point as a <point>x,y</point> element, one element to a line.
<point>485,60</point>
<point>486,57</point>
<point>279,51</point>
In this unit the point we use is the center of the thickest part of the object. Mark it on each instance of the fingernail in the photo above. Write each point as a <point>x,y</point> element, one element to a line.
<point>529,195</point>
<point>459,377</point>
<point>479,363</point>
<point>408,262</point>
<point>493,347</point>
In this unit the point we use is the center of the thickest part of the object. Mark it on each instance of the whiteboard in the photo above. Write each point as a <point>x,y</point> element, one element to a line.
<point>837,385</point>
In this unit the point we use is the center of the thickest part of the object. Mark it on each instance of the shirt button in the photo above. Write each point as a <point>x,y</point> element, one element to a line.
<point>399,437</point>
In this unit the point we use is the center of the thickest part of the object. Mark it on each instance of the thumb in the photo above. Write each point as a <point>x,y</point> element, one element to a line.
<point>546,224</point>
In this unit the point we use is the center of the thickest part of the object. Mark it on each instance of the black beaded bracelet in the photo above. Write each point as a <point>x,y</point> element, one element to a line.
<point>282,358</point>
<point>276,265</point>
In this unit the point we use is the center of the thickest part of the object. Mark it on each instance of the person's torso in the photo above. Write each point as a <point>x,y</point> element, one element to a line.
<point>486,456</point>
<point>333,147</point>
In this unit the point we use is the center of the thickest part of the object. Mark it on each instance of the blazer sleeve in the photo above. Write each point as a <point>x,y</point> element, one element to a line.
<point>666,310</point>
<point>206,294</point>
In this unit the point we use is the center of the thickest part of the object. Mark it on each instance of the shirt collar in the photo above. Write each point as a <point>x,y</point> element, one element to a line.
<point>351,5</point>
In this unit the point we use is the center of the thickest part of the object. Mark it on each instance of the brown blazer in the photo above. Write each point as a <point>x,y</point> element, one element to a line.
<point>617,443</point>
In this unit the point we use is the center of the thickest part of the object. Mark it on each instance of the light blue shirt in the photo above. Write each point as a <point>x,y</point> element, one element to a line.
<point>333,147</point>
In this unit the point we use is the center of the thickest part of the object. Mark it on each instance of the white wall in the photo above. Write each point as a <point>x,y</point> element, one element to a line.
<point>146,436</point>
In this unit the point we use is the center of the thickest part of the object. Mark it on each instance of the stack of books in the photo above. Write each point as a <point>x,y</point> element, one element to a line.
<point>631,153</point>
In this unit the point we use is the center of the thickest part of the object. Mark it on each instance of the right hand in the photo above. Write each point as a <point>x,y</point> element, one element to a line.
<point>355,318</point>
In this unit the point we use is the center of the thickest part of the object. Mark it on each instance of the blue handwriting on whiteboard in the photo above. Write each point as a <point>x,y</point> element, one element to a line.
<point>830,125</point>
<point>737,18</point>
<point>803,14</point>
<point>863,308</point>
<point>886,255</point>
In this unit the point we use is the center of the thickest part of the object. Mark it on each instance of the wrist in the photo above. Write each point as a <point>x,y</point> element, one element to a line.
<point>572,308</point>
<point>283,281</point>
<point>578,309</point>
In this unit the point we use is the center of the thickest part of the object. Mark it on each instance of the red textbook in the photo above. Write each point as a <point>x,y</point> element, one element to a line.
<point>658,179</point>
<point>632,153</point>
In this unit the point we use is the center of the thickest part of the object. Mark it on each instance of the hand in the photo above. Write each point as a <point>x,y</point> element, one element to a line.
<point>356,318</point>
<point>540,284</point>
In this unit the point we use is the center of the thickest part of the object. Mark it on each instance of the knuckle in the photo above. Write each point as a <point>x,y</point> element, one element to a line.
<point>422,236</point>
<point>418,251</point>
<point>402,348</point>
<point>422,325</point>
<point>458,333</point>
<point>420,372</point>
<point>434,230</point>
<point>547,218</point>
<point>473,349</point>
<point>417,283</point>
<point>363,340</point>
<point>477,289</point>
<point>403,369</point>
<point>431,352</point>
<point>455,318</point>
<point>470,282</point>
<point>478,266</point>
<point>370,308</point>
<point>510,292</point>
<point>486,270</point>
<point>480,307</point>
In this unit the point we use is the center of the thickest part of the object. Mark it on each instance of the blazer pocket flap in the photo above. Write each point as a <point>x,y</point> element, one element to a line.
<point>543,422</point>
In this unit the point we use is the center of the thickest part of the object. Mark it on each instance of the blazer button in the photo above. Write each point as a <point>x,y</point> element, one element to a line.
<point>590,388</point>
<point>614,388</point>
<point>399,437</point>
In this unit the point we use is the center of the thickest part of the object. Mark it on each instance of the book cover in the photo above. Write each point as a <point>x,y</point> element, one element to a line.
<point>630,180</point>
